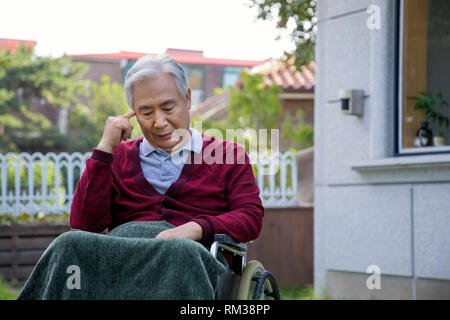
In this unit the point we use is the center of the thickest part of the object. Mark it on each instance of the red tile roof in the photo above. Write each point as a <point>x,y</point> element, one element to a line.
<point>275,72</point>
<point>111,56</point>
<point>13,44</point>
<point>180,55</point>
<point>286,75</point>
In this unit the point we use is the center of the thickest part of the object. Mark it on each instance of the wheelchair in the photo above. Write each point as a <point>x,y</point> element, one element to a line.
<point>243,281</point>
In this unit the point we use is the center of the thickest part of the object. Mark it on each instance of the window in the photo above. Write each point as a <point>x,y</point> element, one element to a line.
<point>230,76</point>
<point>195,77</point>
<point>196,98</point>
<point>125,66</point>
<point>424,73</point>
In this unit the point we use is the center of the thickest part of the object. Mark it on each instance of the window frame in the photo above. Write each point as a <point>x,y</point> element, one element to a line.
<point>231,70</point>
<point>398,124</point>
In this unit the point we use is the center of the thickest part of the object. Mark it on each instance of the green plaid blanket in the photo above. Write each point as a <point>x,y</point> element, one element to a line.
<point>127,263</point>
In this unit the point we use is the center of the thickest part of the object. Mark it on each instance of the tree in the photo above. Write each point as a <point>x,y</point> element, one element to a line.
<point>303,15</point>
<point>253,105</point>
<point>301,135</point>
<point>26,78</point>
<point>86,124</point>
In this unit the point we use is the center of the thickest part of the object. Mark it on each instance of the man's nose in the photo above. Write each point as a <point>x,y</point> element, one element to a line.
<point>160,120</point>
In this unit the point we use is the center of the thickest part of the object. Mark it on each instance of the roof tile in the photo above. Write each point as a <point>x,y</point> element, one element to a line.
<point>286,75</point>
<point>181,56</point>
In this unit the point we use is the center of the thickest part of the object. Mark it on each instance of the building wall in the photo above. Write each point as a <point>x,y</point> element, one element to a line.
<point>212,76</point>
<point>289,107</point>
<point>372,208</point>
<point>99,68</point>
<point>212,79</point>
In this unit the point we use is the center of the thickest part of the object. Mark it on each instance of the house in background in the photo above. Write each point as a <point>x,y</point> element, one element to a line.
<point>13,44</point>
<point>205,74</point>
<point>298,94</point>
<point>297,86</point>
<point>382,204</point>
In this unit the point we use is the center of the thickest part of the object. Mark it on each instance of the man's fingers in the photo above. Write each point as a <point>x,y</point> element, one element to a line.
<point>162,235</point>
<point>130,131</point>
<point>129,115</point>
<point>165,234</point>
<point>126,128</point>
<point>126,134</point>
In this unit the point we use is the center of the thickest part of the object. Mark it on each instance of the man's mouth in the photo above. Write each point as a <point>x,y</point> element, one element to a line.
<point>164,136</point>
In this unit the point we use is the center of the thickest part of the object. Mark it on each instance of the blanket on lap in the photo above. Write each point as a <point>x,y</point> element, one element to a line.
<point>127,263</point>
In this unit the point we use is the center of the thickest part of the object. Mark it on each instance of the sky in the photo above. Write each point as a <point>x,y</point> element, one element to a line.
<point>220,28</point>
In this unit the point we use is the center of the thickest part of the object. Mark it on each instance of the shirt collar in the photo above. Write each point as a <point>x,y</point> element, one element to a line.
<point>194,144</point>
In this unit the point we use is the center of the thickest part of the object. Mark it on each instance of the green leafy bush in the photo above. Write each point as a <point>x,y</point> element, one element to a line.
<point>7,291</point>
<point>25,218</point>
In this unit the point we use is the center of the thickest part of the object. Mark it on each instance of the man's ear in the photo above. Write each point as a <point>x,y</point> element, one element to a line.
<point>188,99</point>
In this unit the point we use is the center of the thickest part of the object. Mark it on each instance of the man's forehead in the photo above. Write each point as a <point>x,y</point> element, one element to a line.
<point>158,79</point>
<point>160,82</point>
<point>155,88</point>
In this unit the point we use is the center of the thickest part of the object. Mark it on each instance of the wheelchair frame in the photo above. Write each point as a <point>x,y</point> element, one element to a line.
<point>246,276</point>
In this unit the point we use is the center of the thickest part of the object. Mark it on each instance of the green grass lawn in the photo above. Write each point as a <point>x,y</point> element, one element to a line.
<point>305,293</point>
<point>7,291</point>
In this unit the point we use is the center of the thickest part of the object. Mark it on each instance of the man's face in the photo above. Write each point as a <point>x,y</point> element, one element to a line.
<point>160,109</point>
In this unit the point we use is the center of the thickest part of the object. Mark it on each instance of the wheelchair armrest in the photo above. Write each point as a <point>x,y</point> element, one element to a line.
<point>228,240</point>
<point>227,243</point>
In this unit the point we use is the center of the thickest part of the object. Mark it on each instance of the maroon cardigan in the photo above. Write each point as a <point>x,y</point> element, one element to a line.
<point>221,198</point>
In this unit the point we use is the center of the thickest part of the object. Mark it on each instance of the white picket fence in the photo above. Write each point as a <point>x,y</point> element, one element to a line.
<point>46,183</point>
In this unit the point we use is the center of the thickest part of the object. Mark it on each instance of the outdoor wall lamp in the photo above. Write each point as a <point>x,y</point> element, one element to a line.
<point>352,101</point>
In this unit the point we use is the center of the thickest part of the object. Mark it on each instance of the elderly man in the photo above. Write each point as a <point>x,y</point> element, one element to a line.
<point>147,179</point>
<point>163,176</point>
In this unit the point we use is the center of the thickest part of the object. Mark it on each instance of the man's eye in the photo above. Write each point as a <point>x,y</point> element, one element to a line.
<point>168,109</point>
<point>147,114</point>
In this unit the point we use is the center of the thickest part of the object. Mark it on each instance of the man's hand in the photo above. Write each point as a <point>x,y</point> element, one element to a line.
<point>191,230</point>
<point>116,129</point>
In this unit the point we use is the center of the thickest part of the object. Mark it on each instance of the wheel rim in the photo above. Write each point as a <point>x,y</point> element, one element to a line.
<point>252,269</point>
<point>266,286</point>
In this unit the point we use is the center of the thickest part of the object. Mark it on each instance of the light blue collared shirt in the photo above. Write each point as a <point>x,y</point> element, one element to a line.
<point>162,169</point>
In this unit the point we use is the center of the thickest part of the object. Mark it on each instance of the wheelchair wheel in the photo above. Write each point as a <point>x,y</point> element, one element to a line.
<point>266,286</point>
<point>255,279</point>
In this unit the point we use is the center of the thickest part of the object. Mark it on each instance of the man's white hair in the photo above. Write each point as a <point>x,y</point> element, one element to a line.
<point>149,66</point>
